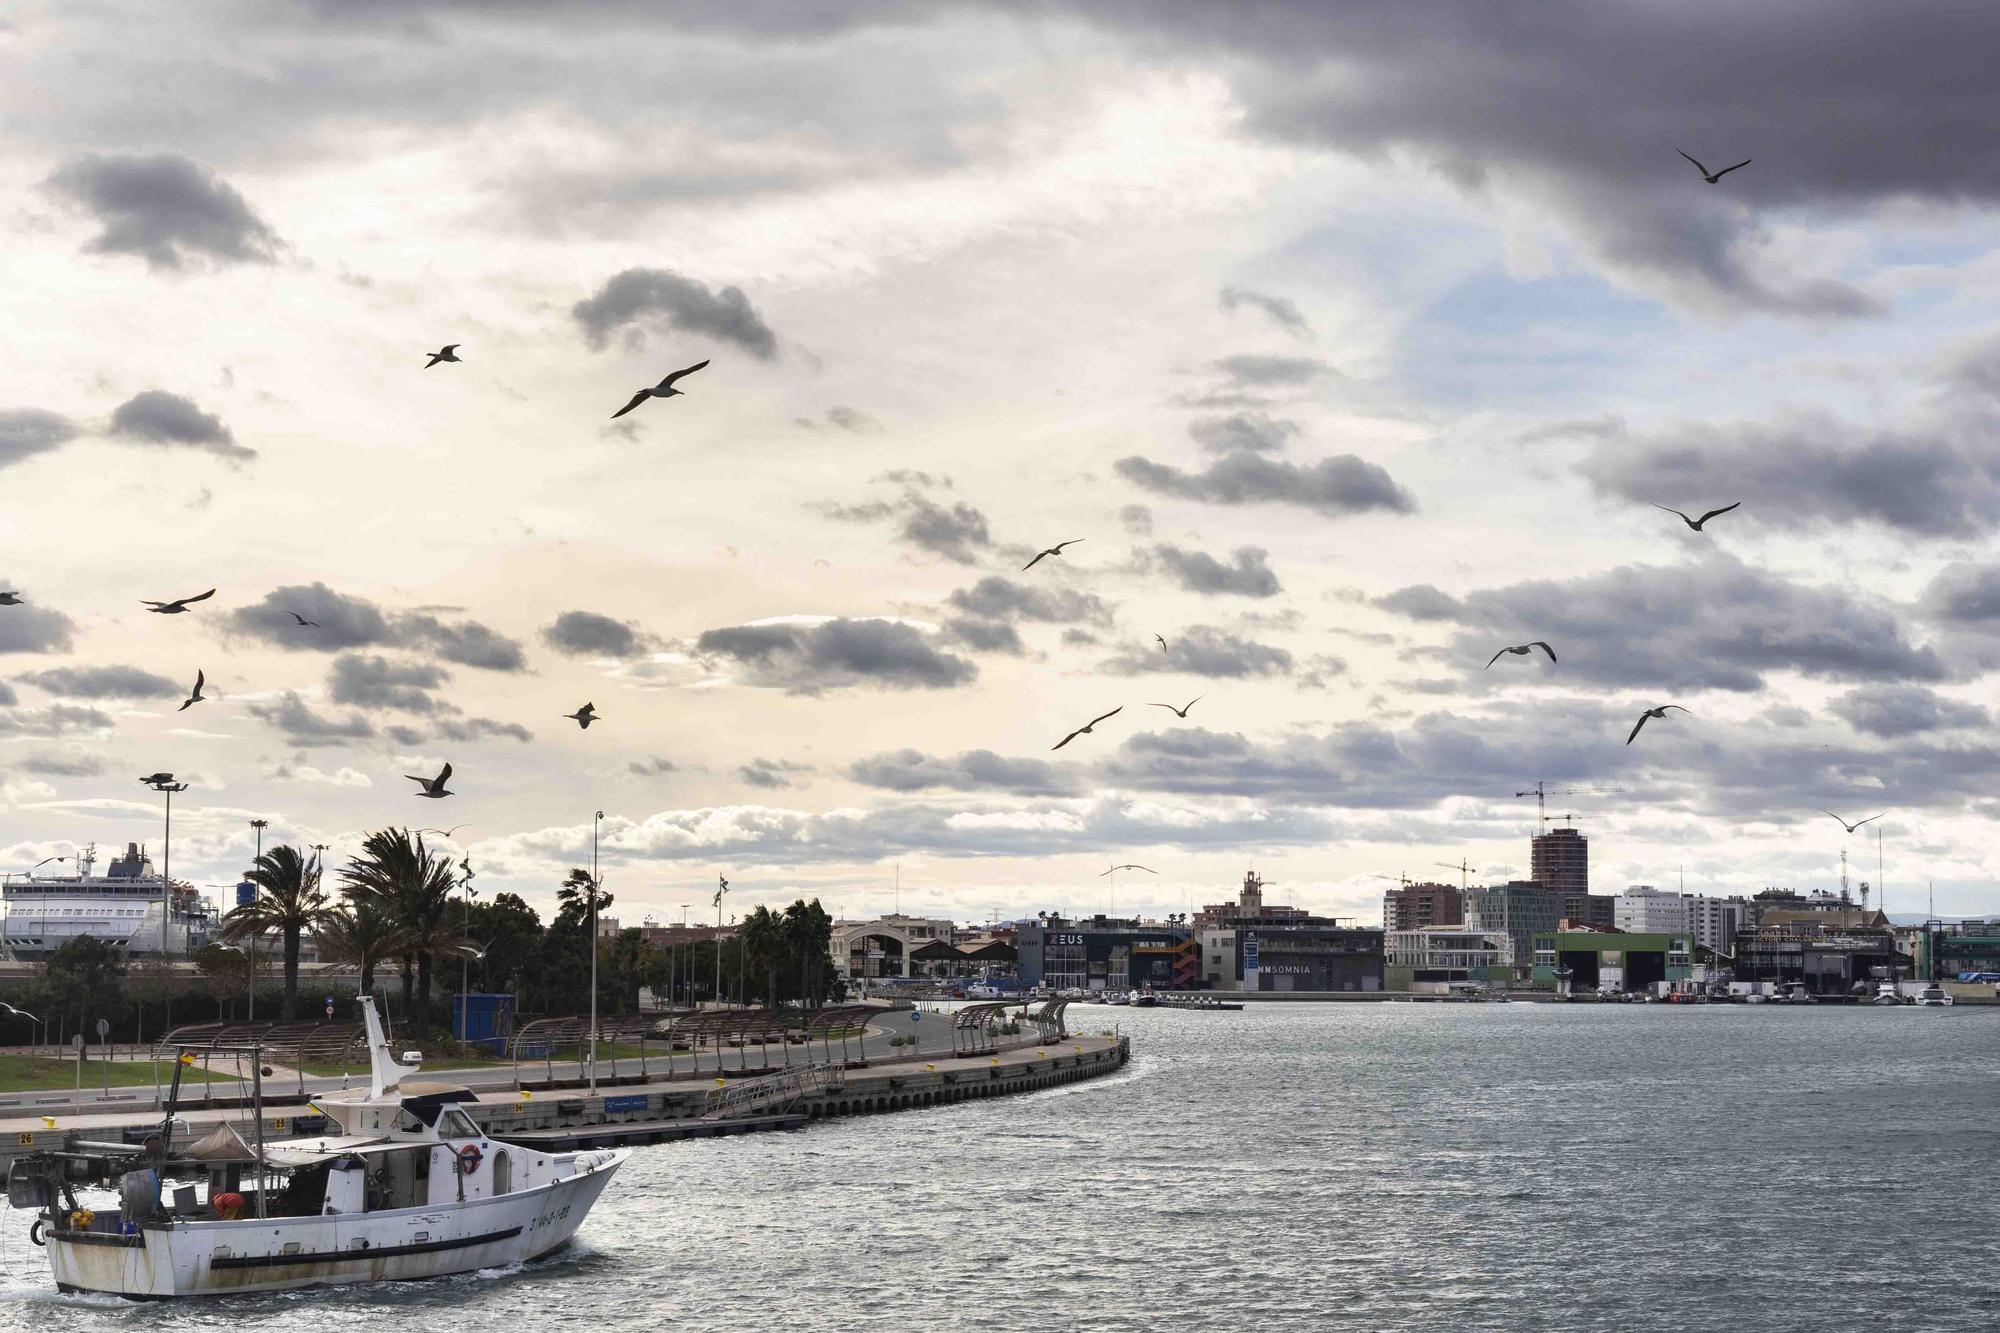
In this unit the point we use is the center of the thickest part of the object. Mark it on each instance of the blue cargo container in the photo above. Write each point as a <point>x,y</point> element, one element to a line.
<point>483,1020</point>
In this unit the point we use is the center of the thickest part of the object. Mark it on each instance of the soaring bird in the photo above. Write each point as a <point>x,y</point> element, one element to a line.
<point>1696,523</point>
<point>152,779</point>
<point>449,352</point>
<point>1163,641</point>
<point>309,624</point>
<point>1713,177</point>
<point>1659,712</point>
<point>584,716</point>
<point>200,679</point>
<point>1128,866</point>
<point>433,787</point>
<point>1084,730</point>
<point>1844,824</point>
<point>1057,549</point>
<point>177,606</point>
<point>1521,650</point>
<point>1181,712</point>
<point>10,599</point>
<point>664,389</point>
<point>443,832</point>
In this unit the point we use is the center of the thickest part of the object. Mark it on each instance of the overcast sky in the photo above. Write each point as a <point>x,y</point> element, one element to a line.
<point>1355,342</point>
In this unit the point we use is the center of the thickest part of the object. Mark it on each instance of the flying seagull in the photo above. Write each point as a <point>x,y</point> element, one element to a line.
<point>1181,712</point>
<point>1163,641</point>
<point>1659,712</point>
<point>433,787</point>
<point>1057,549</point>
<point>1696,523</point>
<point>664,389</point>
<point>584,716</point>
<point>1521,650</point>
<point>1844,824</point>
<point>309,624</point>
<point>152,778</point>
<point>174,608</point>
<point>443,832</point>
<point>200,679</point>
<point>1128,866</point>
<point>449,352</point>
<point>10,599</point>
<point>1713,177</point>
<point>1084,730</point>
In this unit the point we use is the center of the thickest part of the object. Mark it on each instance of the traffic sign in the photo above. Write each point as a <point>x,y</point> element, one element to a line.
<point>103,1028</point>
<point>76,1042</point>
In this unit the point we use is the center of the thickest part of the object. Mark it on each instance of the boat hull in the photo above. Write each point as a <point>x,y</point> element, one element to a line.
<point>278,1254</point>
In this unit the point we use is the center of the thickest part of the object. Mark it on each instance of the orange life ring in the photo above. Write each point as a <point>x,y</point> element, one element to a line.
<point>469,1158</point>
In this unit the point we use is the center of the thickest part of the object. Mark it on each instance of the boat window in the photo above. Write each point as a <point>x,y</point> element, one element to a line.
<point>456,1124</point>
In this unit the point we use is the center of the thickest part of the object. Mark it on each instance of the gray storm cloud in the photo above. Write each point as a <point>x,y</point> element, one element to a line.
<point>165,209</point>
<point>651,299</point>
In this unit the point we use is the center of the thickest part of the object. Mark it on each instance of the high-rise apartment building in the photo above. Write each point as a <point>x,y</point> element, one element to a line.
<point>1560,859</point>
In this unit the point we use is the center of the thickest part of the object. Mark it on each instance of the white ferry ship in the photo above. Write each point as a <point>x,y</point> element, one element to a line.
<point>407,1188</point>
<point>41,913</point>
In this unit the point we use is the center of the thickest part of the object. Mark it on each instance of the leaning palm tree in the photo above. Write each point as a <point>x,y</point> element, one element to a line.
<point>412,888</point>
<point>763,939</point>
<point>291,904</point>
<point>357,933</point>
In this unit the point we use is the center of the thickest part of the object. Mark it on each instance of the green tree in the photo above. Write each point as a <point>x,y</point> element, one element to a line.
<point>763,935</point>
<point>575,895</point>
<point>291,904</point>
<point>808,934</point>
<point>83,981</point>
<point>508,933</point>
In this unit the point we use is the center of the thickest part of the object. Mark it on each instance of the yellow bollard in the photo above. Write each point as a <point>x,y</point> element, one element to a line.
<point>49,1121</point>
<point>996,1059</point>
<point>527,1096</point>
<point>1041,1053</point>
<point>722,1083</point>
<point>932,1068</point>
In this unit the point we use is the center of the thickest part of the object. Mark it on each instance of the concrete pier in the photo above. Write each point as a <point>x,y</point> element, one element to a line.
<point>655,1112</point>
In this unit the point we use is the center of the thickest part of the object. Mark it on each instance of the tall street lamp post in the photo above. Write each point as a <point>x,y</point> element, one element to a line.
<point>595,822</point>
<point>165,784</point>
<point>724,883</point>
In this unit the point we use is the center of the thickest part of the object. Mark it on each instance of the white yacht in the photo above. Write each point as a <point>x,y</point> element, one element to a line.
<point>1933,996</point>
<point>407,1188</point>
<point>1886,993</point>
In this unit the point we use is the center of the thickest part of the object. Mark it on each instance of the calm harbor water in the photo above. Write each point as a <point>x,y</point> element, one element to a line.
<point>1301,1167</point>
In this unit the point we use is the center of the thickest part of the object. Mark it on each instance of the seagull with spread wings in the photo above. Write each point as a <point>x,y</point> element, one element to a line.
<point>443,832</point>
<point>1660,712</point>
<point>583,716</point>
<point>1057,549</point>
<point>433,787</point>
<point>664,389</point>
<point>449,352</point>
<point>309,624</point>
<point>1163,641</point>
<point>1696,523</point>
<point>10,599</point>
<point>1844,824</point>
<point>1713,177</point>
<point>1521,650</point>
<point>1181,712</point>
<point>176,606</point>
<point>1084,730</point>
<point>1128,866</point>
<point>200,679</point>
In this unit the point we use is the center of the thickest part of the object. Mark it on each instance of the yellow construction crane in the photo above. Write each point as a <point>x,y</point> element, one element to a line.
<point>1541,791</point>
<point>1464,871</point>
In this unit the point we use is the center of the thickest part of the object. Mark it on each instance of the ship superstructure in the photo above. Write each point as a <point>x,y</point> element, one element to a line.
<point>123,906</point>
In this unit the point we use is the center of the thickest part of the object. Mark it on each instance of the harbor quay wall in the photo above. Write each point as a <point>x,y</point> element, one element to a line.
<point>655,1112</point>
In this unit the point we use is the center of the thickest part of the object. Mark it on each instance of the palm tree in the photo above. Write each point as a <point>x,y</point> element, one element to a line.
<point>575,893</point>
<point>291,904</point>
<point>412,888</point>
<point>356,933</point>
<point>807,930</point>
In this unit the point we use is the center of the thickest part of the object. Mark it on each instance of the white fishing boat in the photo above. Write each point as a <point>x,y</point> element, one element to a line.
<point>1933,996</point>
<point>407,1188</point>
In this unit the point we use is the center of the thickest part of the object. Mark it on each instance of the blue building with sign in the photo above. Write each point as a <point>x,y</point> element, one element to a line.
<point>1099,953</point>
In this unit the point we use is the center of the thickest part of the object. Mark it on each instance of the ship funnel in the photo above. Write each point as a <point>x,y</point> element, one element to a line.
<point>384,1073</point>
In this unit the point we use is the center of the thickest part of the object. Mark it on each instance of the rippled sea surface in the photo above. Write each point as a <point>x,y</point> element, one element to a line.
<point>1379,1166</point>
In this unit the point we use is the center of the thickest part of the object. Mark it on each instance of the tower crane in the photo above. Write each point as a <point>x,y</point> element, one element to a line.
<point>1541,791</point>
<point>1464,871</point>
